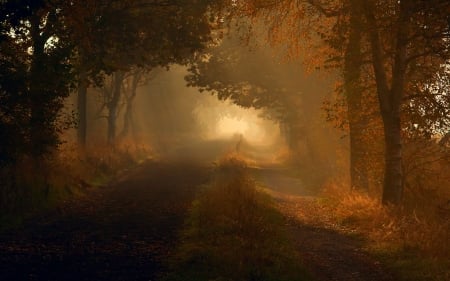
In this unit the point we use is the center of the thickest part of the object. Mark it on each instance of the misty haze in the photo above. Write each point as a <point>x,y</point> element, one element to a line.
<point>225,140</point>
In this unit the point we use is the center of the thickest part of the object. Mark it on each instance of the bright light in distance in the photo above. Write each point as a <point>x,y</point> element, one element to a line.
<point>224,120</point>
<point>230,126</point>
<point>252,128</point>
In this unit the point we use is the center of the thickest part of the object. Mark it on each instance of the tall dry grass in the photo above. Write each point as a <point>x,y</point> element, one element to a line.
<point>33,185</point>
<point>425,209</point>
<point>413,237</point>
<point>234,233</point>
<point>413,243</point>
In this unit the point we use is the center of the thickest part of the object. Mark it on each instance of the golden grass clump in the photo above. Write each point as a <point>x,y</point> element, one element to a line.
<point>424,230</point>
<point>413,241</point>
<point>234,233</point>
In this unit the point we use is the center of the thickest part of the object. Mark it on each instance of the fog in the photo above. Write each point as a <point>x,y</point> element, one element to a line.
<point>181,123</point>
<point>176,122</point>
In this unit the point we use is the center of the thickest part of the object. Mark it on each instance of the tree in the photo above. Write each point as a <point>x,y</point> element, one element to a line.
<point>118,35</point>
<point>136,78</point>
<point>231,72</point>
<point>283,91</point>
<point>395,36</point>
<point>418,30</point>
<point>325,35</point>
<point>35,77</point>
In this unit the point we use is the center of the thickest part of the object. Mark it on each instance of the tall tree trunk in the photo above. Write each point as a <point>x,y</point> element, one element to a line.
<point>353,91</point>
<point>40,133</point>
<point>82,108</point>
<point>128,115</point>
<point>390,98</point>
<point>393,181</point>
<point>393,178</point>
<point>127,120</point>
<point>113,106</point>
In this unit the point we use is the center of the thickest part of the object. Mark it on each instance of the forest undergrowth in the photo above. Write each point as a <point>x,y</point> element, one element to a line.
<point>413,243</point>
<point>410,239</point>
<point>31,186</point>
<point>234,232</point>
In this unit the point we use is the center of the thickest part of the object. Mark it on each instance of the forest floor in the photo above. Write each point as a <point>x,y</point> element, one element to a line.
<point>329,252</point>
<point>128,230</point>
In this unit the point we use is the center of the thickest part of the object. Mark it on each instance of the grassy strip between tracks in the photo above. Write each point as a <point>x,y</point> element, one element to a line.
<point>234,233</point>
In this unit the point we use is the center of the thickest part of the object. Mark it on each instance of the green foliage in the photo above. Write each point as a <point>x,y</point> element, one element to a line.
<point>234,233</point>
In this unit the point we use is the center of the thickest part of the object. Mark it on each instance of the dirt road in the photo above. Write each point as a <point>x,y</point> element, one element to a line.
<point>127,230</point>
<point>329,254</point>
<point>121,232</point>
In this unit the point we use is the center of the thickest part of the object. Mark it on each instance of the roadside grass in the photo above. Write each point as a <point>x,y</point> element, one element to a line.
<point>29,188</point>
<point>410,265</point>
<point>410,240</point>
<point>234,232</point>
<point>414,243</point>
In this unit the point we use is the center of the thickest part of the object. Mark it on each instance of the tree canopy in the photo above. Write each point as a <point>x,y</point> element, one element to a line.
<point>49,47</point>
<point>387,49</point>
